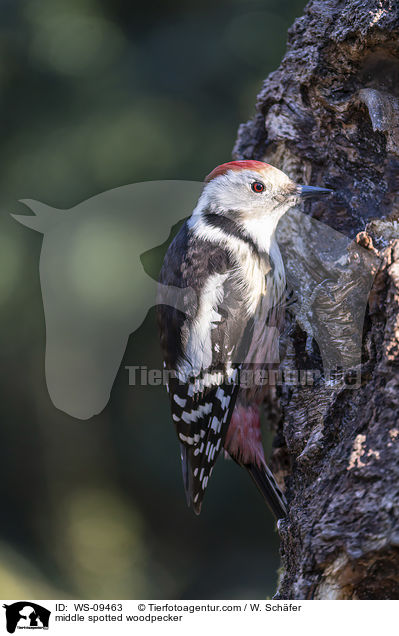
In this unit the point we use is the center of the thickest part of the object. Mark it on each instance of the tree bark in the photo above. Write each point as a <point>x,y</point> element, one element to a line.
<point>329,116</point>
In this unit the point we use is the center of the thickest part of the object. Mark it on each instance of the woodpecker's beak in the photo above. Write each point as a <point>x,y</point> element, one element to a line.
<point>313,192</point>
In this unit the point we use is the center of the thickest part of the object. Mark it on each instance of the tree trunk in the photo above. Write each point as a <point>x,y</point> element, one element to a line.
<point>330,116</point>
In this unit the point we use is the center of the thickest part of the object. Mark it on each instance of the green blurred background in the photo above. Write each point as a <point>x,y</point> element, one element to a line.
<point>95,94</point>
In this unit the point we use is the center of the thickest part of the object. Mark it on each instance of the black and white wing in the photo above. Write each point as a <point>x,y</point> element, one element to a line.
<point>201,427</point>
<point>198,342</point>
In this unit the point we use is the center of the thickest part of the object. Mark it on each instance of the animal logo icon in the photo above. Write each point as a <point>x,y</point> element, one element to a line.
<point>25,615</point>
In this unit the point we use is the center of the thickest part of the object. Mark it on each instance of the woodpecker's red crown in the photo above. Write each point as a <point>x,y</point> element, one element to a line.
<point>247,164</point>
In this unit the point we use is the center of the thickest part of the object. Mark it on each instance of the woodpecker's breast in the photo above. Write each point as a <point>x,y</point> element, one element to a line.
<point>260,277</point>
<point>249,278</point>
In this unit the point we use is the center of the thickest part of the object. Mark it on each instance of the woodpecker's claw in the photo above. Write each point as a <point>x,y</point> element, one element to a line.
<point>307,192</point>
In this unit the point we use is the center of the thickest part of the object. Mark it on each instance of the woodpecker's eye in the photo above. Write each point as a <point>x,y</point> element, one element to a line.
<point>257,187</point>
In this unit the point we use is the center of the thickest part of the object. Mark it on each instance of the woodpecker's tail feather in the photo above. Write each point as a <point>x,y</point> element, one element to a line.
<point>188,480</point>
<point>267,485</point>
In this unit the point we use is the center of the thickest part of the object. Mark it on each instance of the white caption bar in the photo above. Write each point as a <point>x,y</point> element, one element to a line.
<point>197,617</point>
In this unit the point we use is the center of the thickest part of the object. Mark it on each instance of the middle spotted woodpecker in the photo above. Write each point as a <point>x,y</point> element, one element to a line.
<point>227,263</point>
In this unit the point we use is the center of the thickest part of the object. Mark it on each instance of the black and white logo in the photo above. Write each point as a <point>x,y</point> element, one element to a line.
<point>26,615</point>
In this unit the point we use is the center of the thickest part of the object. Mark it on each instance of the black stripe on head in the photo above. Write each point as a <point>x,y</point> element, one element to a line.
<point>231,228</point>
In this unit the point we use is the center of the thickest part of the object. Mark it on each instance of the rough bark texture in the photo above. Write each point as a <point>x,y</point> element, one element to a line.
<point>330,116</point>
